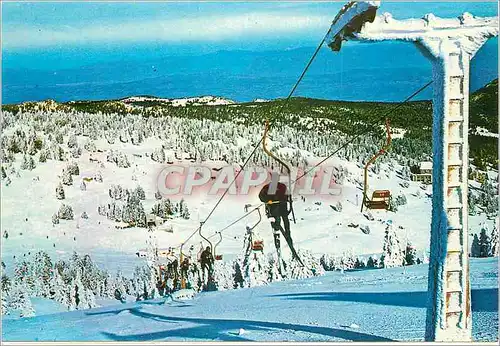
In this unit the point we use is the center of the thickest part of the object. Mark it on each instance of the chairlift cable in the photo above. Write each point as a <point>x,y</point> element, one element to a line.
<point>363,132</point>
<point>262,138</point>
<point>391,111</point>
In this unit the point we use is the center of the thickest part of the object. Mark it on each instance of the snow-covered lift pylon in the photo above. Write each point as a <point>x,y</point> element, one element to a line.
<point>449,44</point>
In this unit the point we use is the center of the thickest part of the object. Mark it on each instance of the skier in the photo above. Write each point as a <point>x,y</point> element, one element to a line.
<point>185,267</point>
<point>276,209</point>
<point>207,261</point>
<point>173,264</point>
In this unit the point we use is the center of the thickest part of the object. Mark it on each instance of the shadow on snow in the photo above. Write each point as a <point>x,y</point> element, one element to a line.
<point>483,300</point>
<point>220,329</point>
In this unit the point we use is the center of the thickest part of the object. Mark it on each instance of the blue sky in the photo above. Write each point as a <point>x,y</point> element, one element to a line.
<point>240,50</point>
<point>261,25</point>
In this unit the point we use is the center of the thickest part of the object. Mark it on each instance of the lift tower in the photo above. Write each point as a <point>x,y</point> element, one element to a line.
<point>450,44</point>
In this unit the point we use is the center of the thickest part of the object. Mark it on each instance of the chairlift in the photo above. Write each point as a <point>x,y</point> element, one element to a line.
<point>287,167</point>
<point>212,246</point>
<point>380,199</point>
<point>218,257</point>
<point>257,244</point>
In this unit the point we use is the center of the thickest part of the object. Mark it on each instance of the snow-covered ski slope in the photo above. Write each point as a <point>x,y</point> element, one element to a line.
<point>369,305</point>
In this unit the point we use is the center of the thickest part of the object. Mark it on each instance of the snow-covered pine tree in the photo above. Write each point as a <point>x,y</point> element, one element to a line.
<point>58,153</point>
<point>73,168</point>
<point>122,161</point>
<point>60,191</point>
<point>98,177</point>
<point>324,260</point>
<point>494,242</point>
<point>484,242</point>
<point>18,299</point>
<point>43,156</point>
<point>90,146</point>
<point>133,211</point>
<point>489,196</point>
<point>371,263</point>
<point>393,250</point>
<point>238,280</point>
<point>183,209</point>
<point>66,177</point>
<point>472,201</point>
<point>411,254</point>
<point>55,219</point>
<point>28,163</point>
<point>5,289</point>
<point>75,292</point>
<point>65,212</point>
<point>140,193</point>
<point>359,264</point>
<point>393,206</point>
<point>41,271</point>
<point>405,172</point>
<point>311,266</point>
<point>72,142</point>
<point>475,249</point>
<point>58,289</point>
<point>158,155</point>
<point>223,275</point>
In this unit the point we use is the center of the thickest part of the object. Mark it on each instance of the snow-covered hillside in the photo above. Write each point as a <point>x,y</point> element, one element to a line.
<point>369,305</point>
<point>29,196</point>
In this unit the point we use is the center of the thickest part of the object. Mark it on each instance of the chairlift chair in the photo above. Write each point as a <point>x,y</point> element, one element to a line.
<point>257,244</point>
<point>212,246</point>
<point>380,199</point>
<point>217,257</point>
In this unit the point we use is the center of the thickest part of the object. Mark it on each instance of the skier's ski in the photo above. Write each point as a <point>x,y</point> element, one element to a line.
<point>289,241</point>
<point>278,252</point>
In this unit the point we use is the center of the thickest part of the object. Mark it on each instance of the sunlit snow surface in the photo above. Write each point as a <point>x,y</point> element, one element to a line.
<point>370,305</point>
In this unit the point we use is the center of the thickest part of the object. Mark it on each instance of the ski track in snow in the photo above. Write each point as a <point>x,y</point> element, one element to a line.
<point>325,308</point>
